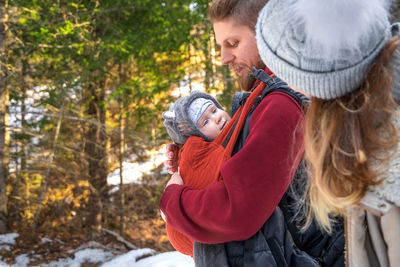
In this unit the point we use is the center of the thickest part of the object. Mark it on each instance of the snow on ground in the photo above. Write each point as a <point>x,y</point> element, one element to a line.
<point>84,255</point>
<point>132,172</point>
<point>105,258</point>
<point>167,259</point>
<point>8,238</point>
<point>22,260</point>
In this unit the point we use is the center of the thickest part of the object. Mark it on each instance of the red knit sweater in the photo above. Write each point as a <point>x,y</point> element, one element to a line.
<point>254,179</point>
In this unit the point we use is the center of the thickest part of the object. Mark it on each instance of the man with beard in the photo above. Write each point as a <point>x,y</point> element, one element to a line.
<point>256,177</point>
<point>238,47</point>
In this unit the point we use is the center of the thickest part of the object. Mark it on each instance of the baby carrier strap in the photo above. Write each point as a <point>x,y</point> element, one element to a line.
<point>228,137</point>
<point>273,83</point>
<point>249,102</point>
<point>239,98</point>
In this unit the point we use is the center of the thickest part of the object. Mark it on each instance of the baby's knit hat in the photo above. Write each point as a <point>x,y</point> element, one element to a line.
<point>180,120</point>
<point>197,108</point>
<point>322,47</point>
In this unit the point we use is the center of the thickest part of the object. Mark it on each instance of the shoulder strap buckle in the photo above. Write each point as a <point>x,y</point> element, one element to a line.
<point>262,76</point>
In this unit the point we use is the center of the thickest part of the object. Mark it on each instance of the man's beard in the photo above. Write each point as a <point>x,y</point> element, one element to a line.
<point>245,81</point>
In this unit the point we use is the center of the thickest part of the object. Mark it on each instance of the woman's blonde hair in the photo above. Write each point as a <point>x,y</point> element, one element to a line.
<point>346,138</point>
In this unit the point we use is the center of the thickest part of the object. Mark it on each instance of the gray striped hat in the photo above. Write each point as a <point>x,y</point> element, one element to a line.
<point>180,120</point>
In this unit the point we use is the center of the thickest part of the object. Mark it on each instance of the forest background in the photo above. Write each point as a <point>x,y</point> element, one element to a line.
<point>82,87</point>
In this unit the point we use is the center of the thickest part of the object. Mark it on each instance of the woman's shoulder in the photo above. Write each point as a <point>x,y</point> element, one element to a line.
<point>383,196</point>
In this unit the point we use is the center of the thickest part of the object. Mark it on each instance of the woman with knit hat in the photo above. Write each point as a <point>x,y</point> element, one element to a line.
<point>346,56</point>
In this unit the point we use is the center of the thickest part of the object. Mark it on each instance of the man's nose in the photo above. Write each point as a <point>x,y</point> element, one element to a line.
<point>226,56</point>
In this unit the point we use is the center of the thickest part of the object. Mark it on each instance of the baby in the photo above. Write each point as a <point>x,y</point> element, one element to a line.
<point>201,117</point>
<point>198,114</point>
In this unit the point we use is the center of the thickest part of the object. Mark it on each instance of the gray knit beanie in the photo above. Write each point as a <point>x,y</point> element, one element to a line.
<point>321,47</point>
<point>177,119</point>
<point>197,107</point>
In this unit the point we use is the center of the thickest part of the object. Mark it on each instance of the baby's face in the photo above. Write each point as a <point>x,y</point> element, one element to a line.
<point>213,121</point>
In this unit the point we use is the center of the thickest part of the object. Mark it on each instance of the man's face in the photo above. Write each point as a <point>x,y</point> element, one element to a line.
<point>213,121</point>
<point>238,47</point>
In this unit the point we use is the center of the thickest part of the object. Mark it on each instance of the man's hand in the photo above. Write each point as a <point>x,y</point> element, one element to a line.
<point>172,158</point>
<point>175,179</point>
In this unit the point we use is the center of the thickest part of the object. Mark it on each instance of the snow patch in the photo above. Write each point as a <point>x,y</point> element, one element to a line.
<point>8,238</point>
<point>6,247</point>
<point>86,255</point>
<point>128,259</point>
<point>132,172</point>
<point>46,240</point>
<point>167,259</point>
<point>21,260</point>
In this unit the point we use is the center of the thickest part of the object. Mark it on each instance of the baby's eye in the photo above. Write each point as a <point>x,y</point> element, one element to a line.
<point>205,122</point>
<point>214,110</point>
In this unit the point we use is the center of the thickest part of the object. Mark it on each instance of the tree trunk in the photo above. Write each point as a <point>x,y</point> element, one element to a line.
<point>121,154</point>
<point>210,70</point>
<point>189,72</point>
<point>21,184</point>
<point>50,160</point>
<point>121,161</point>
<point>95,152</point>
<point>23,176</point>
<point>3,120</point>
